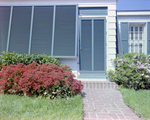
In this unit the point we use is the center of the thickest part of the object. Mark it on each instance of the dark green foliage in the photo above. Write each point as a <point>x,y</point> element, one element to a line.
<point>131,72</point>
<point>13,58</point>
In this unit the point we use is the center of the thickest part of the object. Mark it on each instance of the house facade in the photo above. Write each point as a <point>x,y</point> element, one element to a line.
<point>80,33</point>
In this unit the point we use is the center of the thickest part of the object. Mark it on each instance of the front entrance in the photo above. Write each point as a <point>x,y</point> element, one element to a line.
<point>92,44</point>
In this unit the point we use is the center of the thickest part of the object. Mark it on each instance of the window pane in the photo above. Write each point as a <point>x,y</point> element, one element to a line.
<point>140,47</point>
<point>132,48</point>
<point>65,31</point>
<point>20,29</point>
<point>42,30</point>
<point>136,29</point>
<point>140,28</point>
<point>136,48</point>
<point>136,33</point>
<point>136,36</point>
<point>141,36</point>
<point>132,36</point>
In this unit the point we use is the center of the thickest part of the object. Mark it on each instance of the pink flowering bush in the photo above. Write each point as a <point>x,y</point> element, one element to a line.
<point>132,71</point>
<point>50,81</point>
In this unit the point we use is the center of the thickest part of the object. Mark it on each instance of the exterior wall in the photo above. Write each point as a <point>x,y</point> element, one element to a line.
<point>111,46</point>
<point>135,17</point>
<point>110,25</point>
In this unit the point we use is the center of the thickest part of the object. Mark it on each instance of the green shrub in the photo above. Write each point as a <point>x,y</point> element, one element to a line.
<point>131,72</point>
<point>50,81</point>
<point>13,58</point>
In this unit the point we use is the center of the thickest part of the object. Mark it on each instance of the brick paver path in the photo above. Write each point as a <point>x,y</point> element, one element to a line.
<point>103,102</point>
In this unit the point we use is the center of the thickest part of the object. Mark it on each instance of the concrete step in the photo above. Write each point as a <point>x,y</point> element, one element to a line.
<point>92,76</point>
<point>99,85</point>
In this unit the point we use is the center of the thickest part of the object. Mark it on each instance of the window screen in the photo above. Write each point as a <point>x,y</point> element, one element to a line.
<point>65,29</point>
<point>20,29</point>
<point>86,45</point>
<point>42,30</point>
<point>99,45</point>
<point>4,25</point>
<point>51,32</point>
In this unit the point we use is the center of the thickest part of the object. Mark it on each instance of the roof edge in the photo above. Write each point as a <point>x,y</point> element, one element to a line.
<point>131,10</point>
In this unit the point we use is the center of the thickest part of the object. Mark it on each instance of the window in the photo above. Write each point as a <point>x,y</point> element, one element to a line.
<point>39,29</point>
<point>136,39</point>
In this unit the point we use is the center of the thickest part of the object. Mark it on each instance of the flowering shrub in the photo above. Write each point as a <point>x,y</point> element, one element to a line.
<point>48,81</point>
<point>132,72</point>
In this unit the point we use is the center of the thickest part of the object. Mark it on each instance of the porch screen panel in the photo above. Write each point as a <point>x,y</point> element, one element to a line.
<point>4,25</point>
<point>99,45</point>
<point>86,45</point>
<point>42,30</point>
<point>65,31</point>
<point>20,29</point>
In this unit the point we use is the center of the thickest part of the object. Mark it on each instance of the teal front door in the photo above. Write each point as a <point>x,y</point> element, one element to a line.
<point>92,44</point>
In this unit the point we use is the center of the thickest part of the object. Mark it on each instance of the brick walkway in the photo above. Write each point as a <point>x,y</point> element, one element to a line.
<point>103,102</point>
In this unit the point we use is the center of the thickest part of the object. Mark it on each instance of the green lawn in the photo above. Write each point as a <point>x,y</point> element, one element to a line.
<point>139,101</point>
<point>30,108</point>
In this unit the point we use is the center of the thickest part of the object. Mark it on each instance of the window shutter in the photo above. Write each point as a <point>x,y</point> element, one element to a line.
<point>65,31</point>
<point>42,30</point>
<point>124,36</point>
<point>20,29</point>
<point>4,25</point>
<point>148,38</point>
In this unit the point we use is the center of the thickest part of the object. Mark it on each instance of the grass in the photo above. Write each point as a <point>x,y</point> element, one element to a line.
<point>14,107</point>
<point>139,101</point>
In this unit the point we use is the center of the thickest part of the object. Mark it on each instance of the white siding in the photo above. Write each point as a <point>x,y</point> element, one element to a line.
<point>112,7</point>
<point>112,44</point>
<point>112,25</point>
<point>111,35</point>
<point>110,63</point>
<point>112,31</point>
<point>112,51</point>
<point>69,62</point>
<point>112,38</point>
<point>111,57</point>
<point>112,19</point>
<point>112,13</point>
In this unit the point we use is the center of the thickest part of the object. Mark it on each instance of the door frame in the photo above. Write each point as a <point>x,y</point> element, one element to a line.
<point>92,19</point>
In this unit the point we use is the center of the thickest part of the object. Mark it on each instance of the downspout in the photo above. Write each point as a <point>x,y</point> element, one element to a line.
<point>119,49</point>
